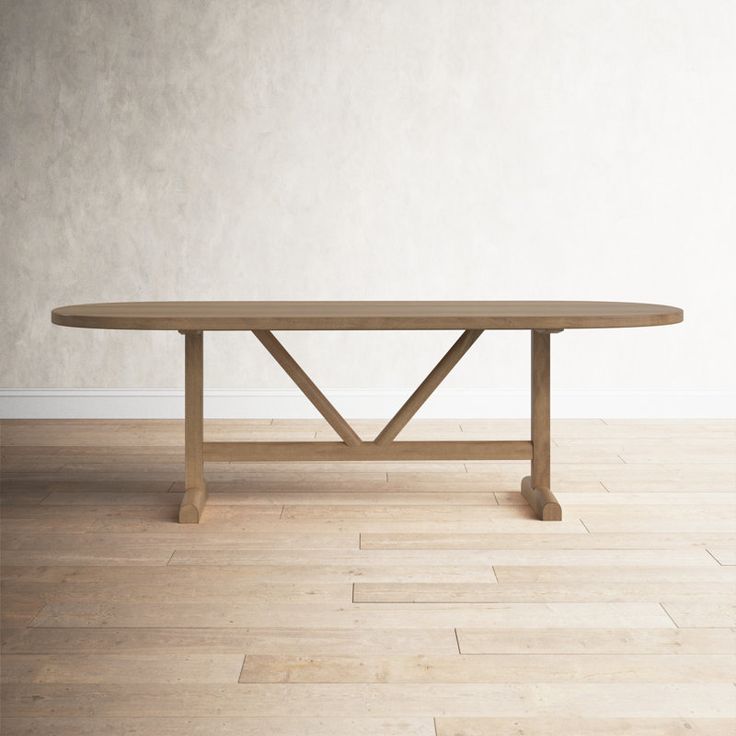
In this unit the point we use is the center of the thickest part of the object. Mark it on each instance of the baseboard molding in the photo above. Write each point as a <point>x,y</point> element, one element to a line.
<point>363,403</point>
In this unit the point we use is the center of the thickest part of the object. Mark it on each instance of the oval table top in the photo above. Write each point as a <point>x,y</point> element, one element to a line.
<point>365,315</point>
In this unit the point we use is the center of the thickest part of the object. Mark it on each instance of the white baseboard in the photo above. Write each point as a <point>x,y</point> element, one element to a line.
<point>360,403</point>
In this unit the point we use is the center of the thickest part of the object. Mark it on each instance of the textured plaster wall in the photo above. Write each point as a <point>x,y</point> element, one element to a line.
<point>173,149</point>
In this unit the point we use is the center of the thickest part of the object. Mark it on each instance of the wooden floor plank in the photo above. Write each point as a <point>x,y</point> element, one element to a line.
<point>230,640</point>
<point>94,669</point>
<point>584,590</point>
<point>710,613</point>
<point>274,498</point>
<point>142,555</point>
<point>614,573</point>
<point>597,641</point>
<point>19,608</point>
<point>724,555</point>
<point>579,540</point>
<point>587,429</point>
<point>628,700</point>
<point>684,557</point>
<point>242,589</point>
<point>204,614</point>
<point>399,513</point>
<point>25,497</point>
<point>574,501</point>
<point>219,726</point>
<point>698,450</point>
<point>492,668</point>
<point>671,519</point>
<point>203,537</point>
<point>684,726</point>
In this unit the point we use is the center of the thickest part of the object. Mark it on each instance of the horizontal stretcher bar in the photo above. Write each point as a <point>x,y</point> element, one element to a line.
<point>327,451</point>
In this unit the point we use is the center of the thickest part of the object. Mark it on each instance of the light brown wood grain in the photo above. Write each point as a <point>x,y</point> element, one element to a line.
<point>195,493</point>
<point>703,613</point>
<point>684,726</point>
<point>479,592</point>
<point>578,539</point>
<point>628,700</point>
<point>425,389</point>
<point>367,451</point>
<point>678,558</point>
<point>112,542</point>
<point>597,641</point>
<point>615,573</point>
<point>724,555</point>
<point>94,669</point>
<point>231,640</point>
<point>355,315</point>
<point>308,388</point>
<point>237,614</point>
<point>490,668</point>
<point>390,596</point>
<point>222,726</point>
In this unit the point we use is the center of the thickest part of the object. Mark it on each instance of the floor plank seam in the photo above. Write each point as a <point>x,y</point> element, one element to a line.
<point>715,558</point>
<point>669,615</point>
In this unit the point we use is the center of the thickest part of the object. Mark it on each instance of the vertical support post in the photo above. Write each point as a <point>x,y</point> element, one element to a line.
<point>195,492</point>
<point>536,488</point>
<point>541,409</point>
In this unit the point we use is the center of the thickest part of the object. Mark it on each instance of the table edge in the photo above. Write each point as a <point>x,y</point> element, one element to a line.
<point>669,315</point>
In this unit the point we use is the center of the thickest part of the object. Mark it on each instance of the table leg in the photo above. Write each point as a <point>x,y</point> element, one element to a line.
<point>195,495</point>
<point>536,488</point>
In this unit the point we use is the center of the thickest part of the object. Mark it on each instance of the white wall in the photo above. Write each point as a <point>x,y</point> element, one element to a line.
<point>573,149</point>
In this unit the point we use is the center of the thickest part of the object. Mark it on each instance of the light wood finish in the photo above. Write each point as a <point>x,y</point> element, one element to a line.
<point>412,405</point>
<point>714,613</point>
<point>597,641</point>
<point>371,726</point>
<point>210,725</point>
<point>483,668</point>
<point>541,318</point>
<point>365,600</point>
<point>542,500</point>
<point>195,495</point>
<point>366,700</point>
<point>367,451</point>
<point>353,315</point>
<point>246,614</point>
<point>579,540</point>
<point>536,488</point>
<point>685,726</point>
<point>308,388</point>
<point>121,668</point>
<point>725,555</point>
<point>483,592</point>
<point>296,641</point>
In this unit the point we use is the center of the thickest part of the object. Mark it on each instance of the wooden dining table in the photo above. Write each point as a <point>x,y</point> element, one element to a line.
<point>540,318</point>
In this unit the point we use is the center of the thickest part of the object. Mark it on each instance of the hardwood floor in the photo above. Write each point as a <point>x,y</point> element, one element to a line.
<point>368,599</point>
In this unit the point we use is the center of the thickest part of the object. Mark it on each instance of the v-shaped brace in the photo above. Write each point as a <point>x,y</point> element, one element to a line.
<point>411,406</point>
